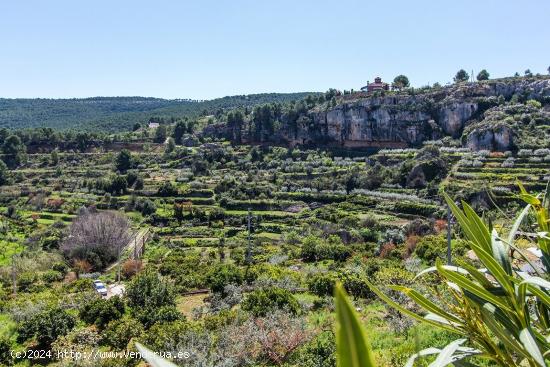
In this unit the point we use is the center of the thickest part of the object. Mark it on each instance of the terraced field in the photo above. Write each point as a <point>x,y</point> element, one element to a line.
<point>264,217</point>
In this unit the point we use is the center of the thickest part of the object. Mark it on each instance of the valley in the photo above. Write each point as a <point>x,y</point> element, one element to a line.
<point>233,226</point>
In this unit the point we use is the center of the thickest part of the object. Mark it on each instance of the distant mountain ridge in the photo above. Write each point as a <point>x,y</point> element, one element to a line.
<point>113,114</point>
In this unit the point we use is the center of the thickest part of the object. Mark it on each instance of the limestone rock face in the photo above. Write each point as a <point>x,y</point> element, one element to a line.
<point>452,117</point>
<point>496,138</point>
<point>359,124</point>
<point>400,120</point>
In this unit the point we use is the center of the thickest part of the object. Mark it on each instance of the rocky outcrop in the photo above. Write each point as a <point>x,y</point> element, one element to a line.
<point>499,137</point>
<point>399,120</point>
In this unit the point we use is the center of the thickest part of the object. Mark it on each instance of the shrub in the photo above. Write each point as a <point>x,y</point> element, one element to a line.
<point>393,275</point>
<point>316,249</point>
<point>152,298</point>
<point>131,267</point>
<point>26,280</point>
<point>525,153</point>
<point>318,352</point>
<point>124,160</point>
<point>52,276</point>
<point>5,350</point>
<point>355,283</point>
<point>100,311</point>
<point>46,326</point>
<point>430,248</point>
<point>264,301</point>
<point>542,152</point>
<point>60,267</point>
<point>145,207</point>
<point>222,275</point>
<point>150,290</point>
<point>322,284</point>
<point>118,333</point>
<point>369,234</point>
<point>167,189</point>
<point>533,103</point>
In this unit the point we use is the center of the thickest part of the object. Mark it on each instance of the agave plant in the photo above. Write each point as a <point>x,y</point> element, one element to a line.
<point>502,313</point>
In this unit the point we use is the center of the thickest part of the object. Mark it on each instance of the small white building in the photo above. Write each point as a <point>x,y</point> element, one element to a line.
<point>153,125</point>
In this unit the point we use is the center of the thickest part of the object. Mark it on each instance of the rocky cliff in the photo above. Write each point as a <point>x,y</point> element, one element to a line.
<point>398,119</point>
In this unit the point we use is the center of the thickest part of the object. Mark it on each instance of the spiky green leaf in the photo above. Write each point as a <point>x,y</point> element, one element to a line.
<point>351,340</point>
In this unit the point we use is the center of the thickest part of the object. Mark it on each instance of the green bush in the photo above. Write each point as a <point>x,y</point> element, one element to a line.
<point>80,285</point>
<point>394,275</point>
<point>46,326</point>
<point>60,267</point>
<point>318,352</point>
<point>432,247</point>
<point>52,276</point>
<point>5,350</point>
<point>317,249</point>
<point>145,207</point>
<point>263,301</point>
<point>167,189</point>
<point>118,333</point>
<point>355,284</point>
<point>223,274</point>
<point>100,312</point>
<point>152,298</point>
<point>322,284</point>
<point>25,281</point>
<point>148,289</point>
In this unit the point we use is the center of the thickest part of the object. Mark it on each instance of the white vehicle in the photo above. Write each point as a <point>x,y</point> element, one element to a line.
<point>100,288</point>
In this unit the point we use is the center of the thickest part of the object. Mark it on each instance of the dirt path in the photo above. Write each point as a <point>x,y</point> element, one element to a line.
<point>141,236</point>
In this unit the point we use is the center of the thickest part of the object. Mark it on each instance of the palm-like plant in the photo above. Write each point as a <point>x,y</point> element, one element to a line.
<point>502,312</point>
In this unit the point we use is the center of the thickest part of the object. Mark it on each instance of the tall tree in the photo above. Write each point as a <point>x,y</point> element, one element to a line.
<point>4,174</point>
<point>160,134</point>
<point>235,122</point>
<point>179,130</point>
<point>124,160</point>
<point>401,81</point>
<point>461,76</point>
<point>170,146</point>
<point>14,151</point>
<point>54,157</point>
<point>483,75</point>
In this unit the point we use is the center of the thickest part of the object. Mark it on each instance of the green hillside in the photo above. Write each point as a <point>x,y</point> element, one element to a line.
<point>115,114</point>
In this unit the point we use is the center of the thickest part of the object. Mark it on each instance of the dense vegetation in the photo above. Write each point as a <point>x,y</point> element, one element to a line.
<point>233,252</point>
<point>113,114</point>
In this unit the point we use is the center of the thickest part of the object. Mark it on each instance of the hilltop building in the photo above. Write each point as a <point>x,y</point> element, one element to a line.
<point>377,85</point>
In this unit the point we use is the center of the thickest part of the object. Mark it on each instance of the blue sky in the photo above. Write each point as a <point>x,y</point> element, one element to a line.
<point>207,49</point>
